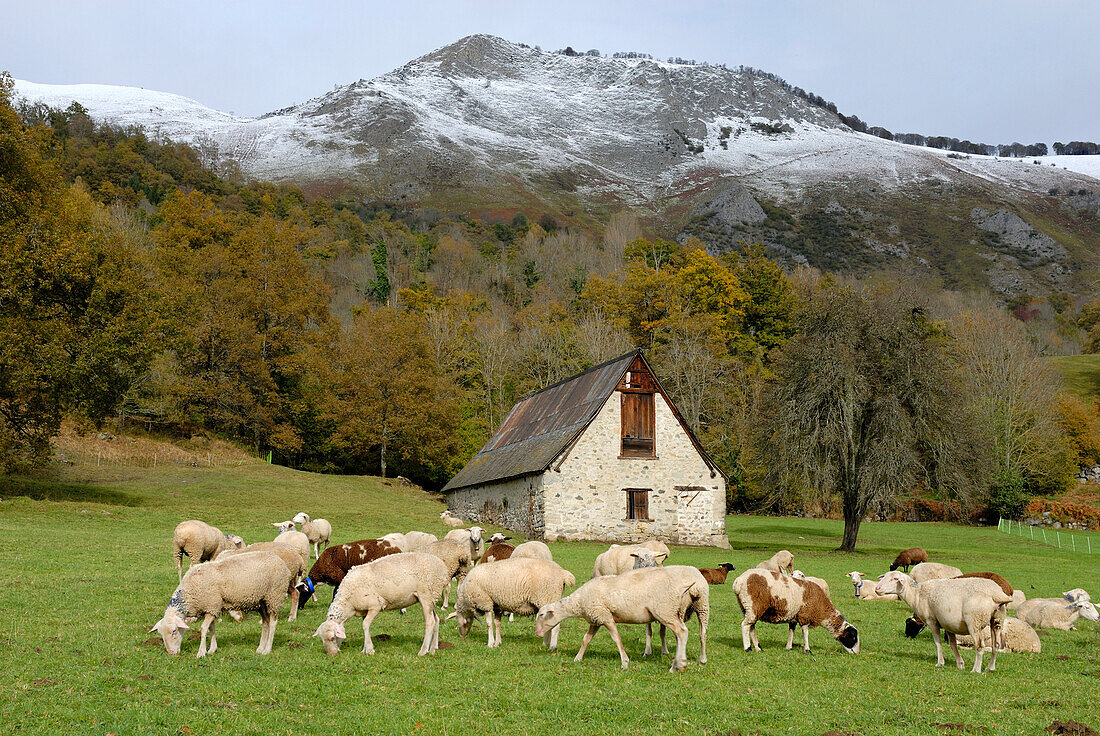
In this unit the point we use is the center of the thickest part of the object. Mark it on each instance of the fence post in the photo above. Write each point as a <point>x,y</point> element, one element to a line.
<point>1000,523</point>
<point>1044,535</point>
<point>98,457</point>
<point>1074,538</point>
<point>154,459</point>
<point>1032,531</point>
<point>1059,534</point>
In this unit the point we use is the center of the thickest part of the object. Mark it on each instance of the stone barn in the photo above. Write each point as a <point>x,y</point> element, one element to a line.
<point>603,456</point>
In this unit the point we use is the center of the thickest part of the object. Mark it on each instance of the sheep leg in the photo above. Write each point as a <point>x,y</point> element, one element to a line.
<point>790,636</point>
<point>648,640</point>
<point>664,645</point>
<point>447,594</point>
<point>935,628</point>
<point>368,645</point>
<point>551,638</point>
<point>953,640</point>
<point>748,635</point>
<point>592,629</point>
<point>207,622</point>
<point>294,595</point>
<point>429,626</point>
<point>614,631</point>
<point>680,630</point>
<point>272,617</point>
<point>806,638</point>
<point>702,640</point>
<point>498,617</point>
<point>976,631</point>
<point>213,638</point>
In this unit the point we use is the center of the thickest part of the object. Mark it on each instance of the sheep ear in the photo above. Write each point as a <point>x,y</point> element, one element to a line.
<point>634,554</point>
<point>658,557</point>
<point>452,614</point>
<point>183,625</point>
<point>275,525</point>
<point>156,627</point>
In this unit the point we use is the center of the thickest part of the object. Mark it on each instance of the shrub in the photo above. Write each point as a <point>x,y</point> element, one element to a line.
<point>1082,428</point>
<point>1007,494</point>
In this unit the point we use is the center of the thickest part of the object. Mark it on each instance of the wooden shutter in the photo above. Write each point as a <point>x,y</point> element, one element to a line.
<point>637,503</point>
<point>638,424</point>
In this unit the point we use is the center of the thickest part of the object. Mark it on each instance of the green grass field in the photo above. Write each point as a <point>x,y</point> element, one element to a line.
<point>1081,374</point>
<point>87,569</point>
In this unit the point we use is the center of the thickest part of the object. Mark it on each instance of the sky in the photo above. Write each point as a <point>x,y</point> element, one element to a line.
<point>994,72</point>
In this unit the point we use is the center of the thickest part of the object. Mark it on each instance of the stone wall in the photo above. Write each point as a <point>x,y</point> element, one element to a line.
<point>513,504</point>
<point>585,497</point>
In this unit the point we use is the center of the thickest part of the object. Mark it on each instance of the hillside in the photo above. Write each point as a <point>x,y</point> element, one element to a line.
<point>1081,374</point>
<point>485,124</point>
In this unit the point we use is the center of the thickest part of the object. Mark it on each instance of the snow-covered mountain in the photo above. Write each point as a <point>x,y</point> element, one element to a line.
<point>483,109</point>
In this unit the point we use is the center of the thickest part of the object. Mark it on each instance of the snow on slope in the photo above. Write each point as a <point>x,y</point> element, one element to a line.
<point>483,108</point>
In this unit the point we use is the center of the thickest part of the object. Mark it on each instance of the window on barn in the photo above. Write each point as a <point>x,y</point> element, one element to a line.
<point>637,503</point>
<point>638,429</point>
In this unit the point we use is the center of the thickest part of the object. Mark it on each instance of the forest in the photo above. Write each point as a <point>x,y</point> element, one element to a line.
<point>146,288</point>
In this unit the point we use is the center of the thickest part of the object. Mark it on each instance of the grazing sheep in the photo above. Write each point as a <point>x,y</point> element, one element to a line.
<point>388,583</point>
<point>335,562</point>
<point>533,550</point>
<point>520,586</point>
<point>717,575</point>
<point>319,531</point>
<point>780,561</point>
<point>907,557</point>
<point>867,592</point>
<point>451,520</point>
<point>965,606</point>
<point>667,595</point>
<point>1056,613</point>
<point>292,558</point>
<point>200,542</point>
<point>456,555</point>
<point>1077,594</point>
<point>772,597</point>
<point>619,558</point>
<point>819,582</point>
<point>933,571</point>
<point>1016,636</point>
<point>498,551</point>
<point>253,581</point>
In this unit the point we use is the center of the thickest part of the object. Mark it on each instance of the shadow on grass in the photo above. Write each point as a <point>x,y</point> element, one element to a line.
<point>47,490</point>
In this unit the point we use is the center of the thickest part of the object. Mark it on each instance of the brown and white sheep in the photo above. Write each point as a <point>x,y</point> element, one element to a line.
<point>775,598</point>
<point>498,551</point>
<point>717,575</point>
<point>819,582</point>
<point>779,562</point>
<point>337,561</point>
<point>200,542</point>
<point>909,557</point>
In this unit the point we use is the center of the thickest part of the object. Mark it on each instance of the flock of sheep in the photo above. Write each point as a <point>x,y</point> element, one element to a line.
<point>630,585</point>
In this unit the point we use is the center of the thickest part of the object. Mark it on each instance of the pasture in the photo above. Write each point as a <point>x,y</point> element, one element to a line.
<point>85,556</point>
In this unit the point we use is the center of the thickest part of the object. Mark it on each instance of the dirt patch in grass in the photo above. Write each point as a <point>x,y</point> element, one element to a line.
<point>1069,727</point>
<point>959,728</point>
<point>840,733</point>
<point>43,681</point>
<point>444,645</point>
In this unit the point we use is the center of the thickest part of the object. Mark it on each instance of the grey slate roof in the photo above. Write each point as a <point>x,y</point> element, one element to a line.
<point>542,425</point>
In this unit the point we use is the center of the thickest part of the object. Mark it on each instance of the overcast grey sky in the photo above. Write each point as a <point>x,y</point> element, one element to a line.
<point>989,71</point>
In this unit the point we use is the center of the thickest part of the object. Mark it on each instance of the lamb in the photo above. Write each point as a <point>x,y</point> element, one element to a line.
<point>451,520</point>
<point>933,571</point>
<point>251,581</point>
<point>498,551</point>
<point>200,542</point>
<point>533,550</point>
<point>819,582</point>
<point>966,606</point>
<point>520,586</point>
<point>770,596</point>
<point>1056,613</point>
<point>907,557</point>
<point>319,531</point>
<point>292,558</point>
<point>867,592</point>
<point>1016,636</point>
<point>456,555</point>
<point>667,595</point>
<point>780,561</point>
<point>1077,594</point>
<point>717,575</point>
<point>388,583</point>
<point>620,558</point>
<point>335,562</point>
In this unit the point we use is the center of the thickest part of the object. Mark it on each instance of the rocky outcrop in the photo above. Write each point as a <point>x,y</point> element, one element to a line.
<point>734,206</point>
<point>1014,232</point>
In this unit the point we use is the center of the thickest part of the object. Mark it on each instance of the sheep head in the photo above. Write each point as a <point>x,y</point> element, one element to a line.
<point>728,567</point>
<point>1077,594</point>
<point>284,526</point>
<point>301,518</point>
<point>1086,609</point>
<point>893,582</point>
<point>170,629</point>
<point>798,575</point>
<point>306,589</point>
<point>498,538</point>
<point>236,541</point>
<point>548,617</point>
<point>332,635</point>
<point>849,638</point>
<point>475,534</point>
<point>645,558</point>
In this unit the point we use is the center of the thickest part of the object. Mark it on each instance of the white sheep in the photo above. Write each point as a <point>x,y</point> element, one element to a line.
<point>256,581</point>
<point>1018,597</point>
<point>534,550</point>
<point>295,560</point>
<point>933,571</point>
<point>388,583</point>
<point>866,592</point>
<point>473,536</point>
<point>1016,636</point>
<point>667,595</point>
<point>294,539</point>
<point>457,557</point>
<point>319,531</point>
<point>1056,613</point>
<point>417,541</point>
<point>778,598</point>
<point>520,586</point>
<point>200,542</point>
<point>1077,594</point>
<point>820,582</point>
<point>451,520</point>
<point>621,557</point>
<point>396,539</point>
<point>782,561</point>
<point>958,606</point>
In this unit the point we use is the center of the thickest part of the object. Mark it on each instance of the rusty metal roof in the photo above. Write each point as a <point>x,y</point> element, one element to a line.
<point>542,425</point>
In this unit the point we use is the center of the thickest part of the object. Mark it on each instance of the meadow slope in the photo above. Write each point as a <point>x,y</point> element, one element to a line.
<point>88,572</point>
